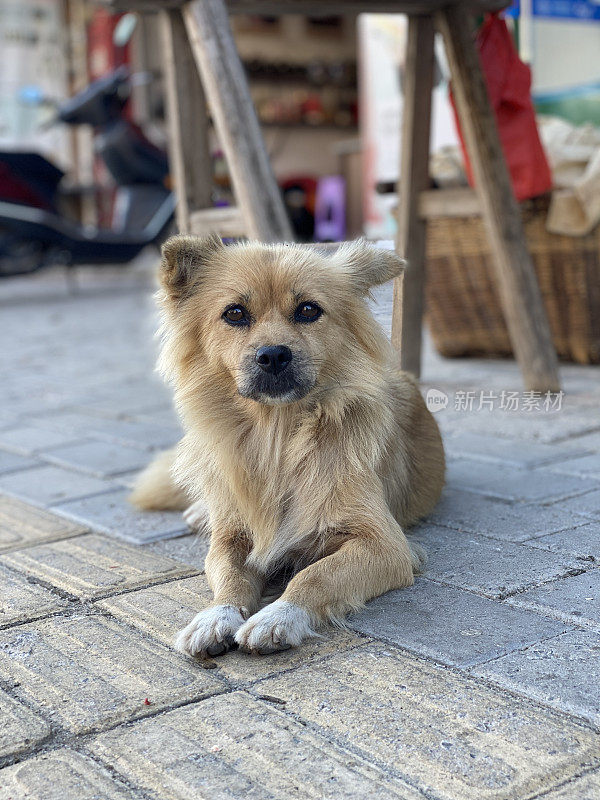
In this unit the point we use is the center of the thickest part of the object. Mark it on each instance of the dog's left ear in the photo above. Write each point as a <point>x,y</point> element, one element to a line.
<point>368,265</point>
<point>183,260</point>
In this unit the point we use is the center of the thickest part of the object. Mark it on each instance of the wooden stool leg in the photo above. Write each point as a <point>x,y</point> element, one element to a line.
<point>189,153</point>
<point>235,120</point>
<point>407,315</point>
<point>519,291</point>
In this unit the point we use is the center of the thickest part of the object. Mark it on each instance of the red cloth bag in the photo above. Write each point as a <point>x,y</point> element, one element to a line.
<point>508,81</point>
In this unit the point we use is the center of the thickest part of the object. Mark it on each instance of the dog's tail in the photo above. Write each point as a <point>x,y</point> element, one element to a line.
<point>155,489</point>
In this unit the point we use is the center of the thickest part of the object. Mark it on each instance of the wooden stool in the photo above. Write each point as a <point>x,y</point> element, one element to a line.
<point>202,67</point>
<point>197,35</point>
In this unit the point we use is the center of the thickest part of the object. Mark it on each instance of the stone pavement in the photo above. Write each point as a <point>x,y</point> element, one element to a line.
<point>482,682</point>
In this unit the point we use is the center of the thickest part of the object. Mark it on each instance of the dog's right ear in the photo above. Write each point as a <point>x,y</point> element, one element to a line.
<point>183,261</point>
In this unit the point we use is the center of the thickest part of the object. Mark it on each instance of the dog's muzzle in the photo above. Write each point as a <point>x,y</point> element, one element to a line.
<point>275,375</point>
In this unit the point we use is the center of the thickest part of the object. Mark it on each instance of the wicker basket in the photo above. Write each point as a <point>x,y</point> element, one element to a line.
<point>462,301</point>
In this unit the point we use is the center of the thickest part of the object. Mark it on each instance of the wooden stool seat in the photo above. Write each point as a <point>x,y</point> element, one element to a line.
<point>202,66</point>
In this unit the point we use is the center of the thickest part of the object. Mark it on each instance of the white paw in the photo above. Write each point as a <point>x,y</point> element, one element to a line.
<point>211,631</point>
<point>278,626</point>
<point>197,518</point>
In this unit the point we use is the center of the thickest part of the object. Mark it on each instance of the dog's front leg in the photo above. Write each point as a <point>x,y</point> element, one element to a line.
<point>236,589</point>
<point>364,566</point>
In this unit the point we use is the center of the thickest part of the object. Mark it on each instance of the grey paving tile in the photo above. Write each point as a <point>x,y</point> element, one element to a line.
<point>111,513</point>
<point>474,513</point>
<point>20,731</point>
<point>239,747</point>
<point>69,423</point>
<point>62,775</point>
<point>136,433</point>
<point>588,504</point>
<point>93,566</point>
<point>145,434</point>
<point>86,672</point>
<point>11,462</point>
<point>190,549</point>
<point>572,421</point>
<point>492,568</point>
<point>102,459</point>
<point>511,451</point>
<point>586,787</point>
<point>48,485</point>
<point>583,541</point>
<point>450,736</point>
<point>451,625</point>
<point>587,466</point>
<point>21,601</point>
<point>146,396</point>
<point>563,672</point>
<point>574,599</point>
<point>591,441</point>
<point>29,439</point>
<point>22,525</point>
<point>514,485</point>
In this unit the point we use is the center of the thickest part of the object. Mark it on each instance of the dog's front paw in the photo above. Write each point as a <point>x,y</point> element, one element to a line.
<point>211,632</point>
<point>278,626</point>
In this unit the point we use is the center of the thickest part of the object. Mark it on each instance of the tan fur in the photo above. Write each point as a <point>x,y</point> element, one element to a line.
<point>155,489</point>
<point>326,481</point>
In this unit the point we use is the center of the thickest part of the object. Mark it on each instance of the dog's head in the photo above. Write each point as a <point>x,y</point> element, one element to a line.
<point>279,320</point>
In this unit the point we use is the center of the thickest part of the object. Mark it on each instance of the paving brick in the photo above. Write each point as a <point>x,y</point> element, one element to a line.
<point>144,434</point>
<point>563,672</point>
<point>93,565</point>
<point>88,673</point>
<point>511,451</point>
<point>21,600</point>
<point>161,611</point>
<point>47,486</point>
<point>29,439</point>
<point>190,549</point>
<point>20,730</point>
<point>534,427</point>
<point>136,433</point>
<point>11,462</point>
<point>574,599</point>
<point>476,514</point>
<point>442,732</point>
<point>451,625</point>
<point>235,746</point>
<point>583,541</point>
<point>22,526</point>
<point>587,505</point>
<point>591,441</point>
<point>67,423</point>
<point>145,398</point>
<point>61,775</point>
<point>585,788</point>
<point>113,514</point>
<point>586,466</point>
<point>493,568</point>
<point>101,459</point>
<point>514,485</point>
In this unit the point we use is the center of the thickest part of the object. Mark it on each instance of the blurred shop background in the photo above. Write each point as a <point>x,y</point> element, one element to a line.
<point>328,92</point>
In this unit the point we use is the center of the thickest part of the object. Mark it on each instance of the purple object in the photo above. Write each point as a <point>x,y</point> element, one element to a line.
<point>330,209</point>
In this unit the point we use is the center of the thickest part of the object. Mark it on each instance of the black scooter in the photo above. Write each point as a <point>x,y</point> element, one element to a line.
<point>34,234</point>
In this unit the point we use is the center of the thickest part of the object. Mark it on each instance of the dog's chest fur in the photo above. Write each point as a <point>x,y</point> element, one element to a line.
<point>276,474</point>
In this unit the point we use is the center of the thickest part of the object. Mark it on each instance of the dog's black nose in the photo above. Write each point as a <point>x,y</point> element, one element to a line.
<point>273,359</point>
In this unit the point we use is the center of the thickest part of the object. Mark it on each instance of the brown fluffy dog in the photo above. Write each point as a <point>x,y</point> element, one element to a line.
<point>309,449</point>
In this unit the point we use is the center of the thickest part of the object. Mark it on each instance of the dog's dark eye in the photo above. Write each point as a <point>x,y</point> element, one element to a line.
<point>236,315</point>
<point>307,312</point>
